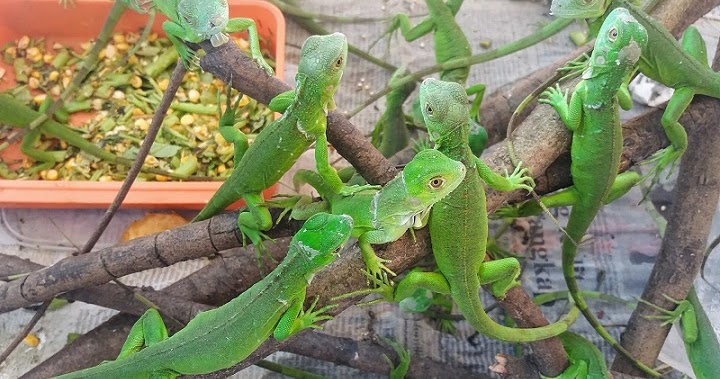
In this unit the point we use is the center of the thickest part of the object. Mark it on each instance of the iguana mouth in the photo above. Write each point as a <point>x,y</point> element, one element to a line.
<point>218,39</point>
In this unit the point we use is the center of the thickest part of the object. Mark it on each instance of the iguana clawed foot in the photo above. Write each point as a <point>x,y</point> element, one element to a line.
<point>519,179</point>
<point>663,158</point>
<point>554,96</point>
<point>376,269</point>
<point>399,371</point>
<point>666,316</point>
<point>310,317</point>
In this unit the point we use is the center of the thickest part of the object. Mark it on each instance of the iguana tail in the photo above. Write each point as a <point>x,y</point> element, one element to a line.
<point>578,224</point>
<point>127,368</point>
<point>222,199</point>
<point>466,288</point>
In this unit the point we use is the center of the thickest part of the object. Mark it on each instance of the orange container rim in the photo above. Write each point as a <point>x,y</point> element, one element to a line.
<point>14,23</point>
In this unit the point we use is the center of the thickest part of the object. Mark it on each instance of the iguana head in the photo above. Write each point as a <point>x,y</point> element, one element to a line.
<point>444,108</point>
<point>207,19</point>
<point>431,175</point>
<point>618,46</point>
<point>321,238</point>
<point>322,61</point>
<point>579,8</point>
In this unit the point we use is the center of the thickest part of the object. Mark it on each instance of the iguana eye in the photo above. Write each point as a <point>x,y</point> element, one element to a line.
<point>188,19</point>
<point>339,62</point>
<point>613,34</point>
<point>428,109</point>
<point>436,182</point>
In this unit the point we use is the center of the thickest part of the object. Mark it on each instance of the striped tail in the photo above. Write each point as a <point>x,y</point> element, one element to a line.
<point>578,224</point>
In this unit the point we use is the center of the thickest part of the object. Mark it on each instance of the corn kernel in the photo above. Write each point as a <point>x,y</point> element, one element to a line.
<point>52,175</point>
<point>63,144</point>
<point>142,124</point>
<point>133,60</point>
<point>221,168</point>
<point>33,82</point>
<point>152,37</point>
<point>53,76</point>
<point>118,38</point>
<point>97,104</point>
<point>31,340</point>
<point>136,81</point>
<point>35,74</point>
<point>23,42</point>
<point>219,139</point>
<point>193,96</point>
<point>244,101</point>
<point>110,51</point>
<point>12,51</point>
<point>118,95</point>
<point>122,46</point>
<point>187,120</point>
<point>243,44</point>
<point>66,81</point>
<point>47,58</point>
<point>105,178</point>
<point>161,178</point>
<point>86,45</point>
<point>55,90</point>
<point>38,99</point>
<point>163,84</point>
<point>33,51</point>
<point>138,112</point>
<point>150,160</point>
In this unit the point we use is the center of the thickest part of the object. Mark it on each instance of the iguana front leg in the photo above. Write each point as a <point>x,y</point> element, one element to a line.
<point>227,127</point>
<point>296,319</point>
<point>255,220</point>
<point>148,330</point>
<point>567,197</point>
<point>177,35</point>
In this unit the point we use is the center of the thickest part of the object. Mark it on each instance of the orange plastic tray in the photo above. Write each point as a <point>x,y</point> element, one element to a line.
<point>72,26</point>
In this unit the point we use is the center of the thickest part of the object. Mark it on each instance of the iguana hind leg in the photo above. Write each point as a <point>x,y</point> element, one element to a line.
<point>693,44</point>
<point>254,221</point>
<point>242,24</point>
<point>501,274</point>
<point>147,330</point>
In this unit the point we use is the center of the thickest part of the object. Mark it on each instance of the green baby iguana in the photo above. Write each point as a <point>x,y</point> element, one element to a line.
<point>682,66</point>
<point>450,43</point>
<point>278,147</point>
<point>222,337</point>
<point>593,118</point>
<point>384,215</point>
<point>459,224</point>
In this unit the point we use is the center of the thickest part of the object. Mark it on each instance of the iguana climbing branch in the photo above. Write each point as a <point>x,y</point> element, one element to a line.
<point>593,118</point>
<point>219,338</point>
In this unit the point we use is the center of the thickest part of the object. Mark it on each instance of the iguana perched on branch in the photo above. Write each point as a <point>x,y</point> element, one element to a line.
<point>278,146</point>
<point>384,215</point>
<point>459,225</point>
<point>222,337</point>
<point>681,66</point>
<point>593,118</point>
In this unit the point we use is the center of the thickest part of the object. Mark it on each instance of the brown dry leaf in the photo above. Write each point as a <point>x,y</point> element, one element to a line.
<point>152,223</point>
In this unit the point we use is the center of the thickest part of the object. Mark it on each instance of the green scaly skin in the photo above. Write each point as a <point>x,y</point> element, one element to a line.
<point>681,66</point>
<point>701,346</point>
<point>222,337</point>
<point>587,360</point>
<point>450,43</point>
<point>278,147</point>
<point>390,134</point>
<point>383,216</point>
<point>399,371</point>
<point>459,225</point>
<point>593,118</point>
